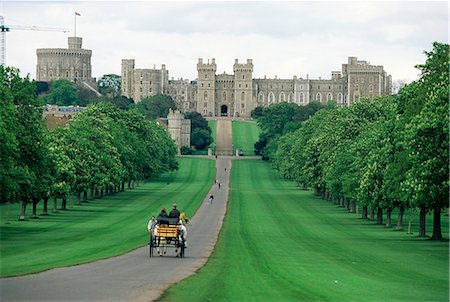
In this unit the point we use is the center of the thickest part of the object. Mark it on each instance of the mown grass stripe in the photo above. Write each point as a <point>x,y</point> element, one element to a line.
<point>280,243</point>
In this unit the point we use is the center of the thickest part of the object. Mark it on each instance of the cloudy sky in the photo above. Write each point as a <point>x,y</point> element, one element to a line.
<point>283,38</point>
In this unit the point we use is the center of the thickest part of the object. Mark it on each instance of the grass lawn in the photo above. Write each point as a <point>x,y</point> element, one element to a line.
<point>280,243</point>
<point>245,135</point>
<point>213,125</point>
<point>99,229</point>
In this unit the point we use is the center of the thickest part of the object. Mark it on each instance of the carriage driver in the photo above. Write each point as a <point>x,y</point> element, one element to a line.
<point>174,213</point>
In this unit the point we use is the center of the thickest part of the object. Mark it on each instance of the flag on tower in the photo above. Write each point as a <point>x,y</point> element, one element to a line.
<point>77,14</point>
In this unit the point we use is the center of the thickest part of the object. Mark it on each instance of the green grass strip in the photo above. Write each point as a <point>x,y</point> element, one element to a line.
<point>280,243</point>
<point>245,135</point>
<point>101,228</point>
<point>213,125</point>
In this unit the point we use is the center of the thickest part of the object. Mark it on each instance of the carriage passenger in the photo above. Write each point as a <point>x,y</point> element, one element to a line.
<point>162,214</point>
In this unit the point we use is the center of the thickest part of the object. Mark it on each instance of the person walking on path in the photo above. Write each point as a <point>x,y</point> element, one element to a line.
<point>211,199</point>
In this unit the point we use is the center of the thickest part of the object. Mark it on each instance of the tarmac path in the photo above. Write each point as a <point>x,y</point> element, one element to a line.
<point>224,137</point>
<point>133,276</point>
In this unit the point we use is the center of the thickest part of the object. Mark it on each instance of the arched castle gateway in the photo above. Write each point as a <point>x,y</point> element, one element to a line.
<point>237,94</point>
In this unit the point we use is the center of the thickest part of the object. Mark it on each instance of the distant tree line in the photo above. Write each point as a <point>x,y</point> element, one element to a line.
<point>386,154</point>
<point>101,151</point>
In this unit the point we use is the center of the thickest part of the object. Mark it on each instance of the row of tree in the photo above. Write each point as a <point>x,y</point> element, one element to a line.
<point>101,149</point>
<point>391,153</point>
<point>65,93</point>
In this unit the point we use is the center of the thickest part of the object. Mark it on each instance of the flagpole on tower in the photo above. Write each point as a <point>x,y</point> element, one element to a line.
<point>75,24</point>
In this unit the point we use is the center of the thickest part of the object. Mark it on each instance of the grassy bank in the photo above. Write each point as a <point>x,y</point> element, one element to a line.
<point>101,228</point>
<point>245,135</point>
<point>280,243</point>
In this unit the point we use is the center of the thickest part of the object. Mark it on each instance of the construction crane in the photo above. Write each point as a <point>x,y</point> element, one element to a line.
<point>6,28</point>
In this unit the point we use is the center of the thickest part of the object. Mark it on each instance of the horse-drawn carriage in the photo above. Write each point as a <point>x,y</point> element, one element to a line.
<point>168,233</point>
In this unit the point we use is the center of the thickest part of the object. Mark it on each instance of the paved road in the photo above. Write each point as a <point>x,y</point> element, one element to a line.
<point>223,138</point>
<point>134,276</point>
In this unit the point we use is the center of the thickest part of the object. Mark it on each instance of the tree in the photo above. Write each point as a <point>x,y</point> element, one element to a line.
<point>426,138</point>
<point>29,143</point>
<point>197,121</point>
<point>110,85</point>
<point>62,93</point>
<point>200,138</point>
<point>156,106</point>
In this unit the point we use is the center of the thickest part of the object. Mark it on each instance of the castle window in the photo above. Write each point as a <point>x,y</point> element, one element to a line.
<point>282,97</point>
<point>202,84</point>
<point>329,96</point>
<point>319,97</point>
<point>371,88</point>
<point>205,105</point>
<point>302,97</point>
<point>141,82</point>
<point>224,96</point>
<point>209,84</point>
<point>205,96</point>
<point>246,85</point>
<point>318,86</point>
<point>301,87</point>
<point>242,96</point>
<point>239,85</point>
<point>243,77</point>
<point>270,98</point>
<point>282,87</point>
<point>329,87</point>
<point>67,74</point>
<point>223,85</point>
<point>206,76</point>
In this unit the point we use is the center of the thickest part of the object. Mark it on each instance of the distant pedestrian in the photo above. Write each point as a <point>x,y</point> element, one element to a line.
<point>219,184</point>
<point>211,199</point>
<point>225,169</point>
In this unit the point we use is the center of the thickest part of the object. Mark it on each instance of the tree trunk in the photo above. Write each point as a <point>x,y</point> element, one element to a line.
<point>64,202</point>
<point>129,184</point>
<point>55,204</point>
<point>45,205</point>
<point>79,198</point>
<point>422,219</point>
<point>101,193</point>
<point>372,213</point>
<point>379,215</point>
<point>347,205</point>
<point>364,212</point>
<point>352,206</point>
<point>342,202</point>
<point>91,194</point>
<point>85,196</point>
<point>123,186</point>
<point>388,218</point>
<point>35,202</point>
<point>437,233</point>
<point>23,208</point>
<point>401,211</point>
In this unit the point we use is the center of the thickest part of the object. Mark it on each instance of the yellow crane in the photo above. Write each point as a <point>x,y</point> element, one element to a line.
<point>6,28</point>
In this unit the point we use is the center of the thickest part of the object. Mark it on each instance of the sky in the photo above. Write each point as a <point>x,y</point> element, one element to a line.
<point>284,39</point>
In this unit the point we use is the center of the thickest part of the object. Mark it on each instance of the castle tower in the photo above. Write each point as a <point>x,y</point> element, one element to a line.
<point>72,63</point>
<point>206,89</point>
<point>127,78</point>
<point>243,96</point>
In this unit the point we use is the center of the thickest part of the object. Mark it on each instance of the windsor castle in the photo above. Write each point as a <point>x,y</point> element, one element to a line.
<point>237,94</point>
<point>212,94</point>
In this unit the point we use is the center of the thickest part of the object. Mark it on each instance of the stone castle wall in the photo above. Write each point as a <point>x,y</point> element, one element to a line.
<point>239,93</point>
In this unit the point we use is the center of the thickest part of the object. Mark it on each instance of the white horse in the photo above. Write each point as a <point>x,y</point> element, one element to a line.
<point>161,247</point>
